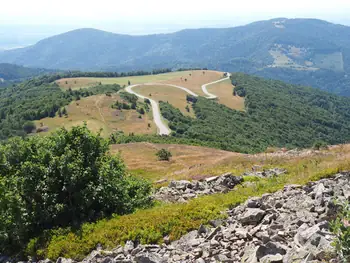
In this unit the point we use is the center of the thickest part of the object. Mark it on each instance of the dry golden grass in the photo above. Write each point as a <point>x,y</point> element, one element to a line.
<point>196,80</point>
<point>193,163</point>
<point>224,92</point>
<point>174,96</point>
<point>187,161</point>
<point>96,111</point>
<point>77,83</point>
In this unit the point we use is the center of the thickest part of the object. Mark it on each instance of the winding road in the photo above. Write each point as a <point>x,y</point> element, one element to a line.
<point>157,117</point>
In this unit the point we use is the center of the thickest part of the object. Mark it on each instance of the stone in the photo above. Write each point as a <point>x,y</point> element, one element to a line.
<point>278,258</point>
<point>148,258</point>
<point>252,216</point>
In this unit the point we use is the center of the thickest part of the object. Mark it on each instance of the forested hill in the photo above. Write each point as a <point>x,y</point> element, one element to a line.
<point>38,98</point>
<point>11,72</point>
<point>277,114</point>
<point>310,51</point>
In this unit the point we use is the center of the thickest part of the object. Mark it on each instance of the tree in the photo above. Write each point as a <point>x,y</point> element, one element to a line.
<point>83,183</point>
<point>164,155</point>
<point>129,83</point>
<point>29,126</point>
<point>64,111</point>
<point>187,108</point>
<point>59,113</point>
<point>147,101</point>
<point>142,111</point>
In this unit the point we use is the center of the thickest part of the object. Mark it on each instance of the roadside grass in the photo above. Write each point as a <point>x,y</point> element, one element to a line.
<point>195,81</point>
<point>96,111</point>
<point>224,91</point>
<point>174,96</point>
<point>77,83</point>
<point>174,220</point>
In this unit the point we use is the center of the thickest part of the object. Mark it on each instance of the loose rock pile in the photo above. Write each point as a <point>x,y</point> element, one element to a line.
<point>266,173</point>
<point>181,191</point>
<point>291,225</point>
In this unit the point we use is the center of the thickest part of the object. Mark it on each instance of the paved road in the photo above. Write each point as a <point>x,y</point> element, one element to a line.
<point>210,95</point>
<point>157,117</point>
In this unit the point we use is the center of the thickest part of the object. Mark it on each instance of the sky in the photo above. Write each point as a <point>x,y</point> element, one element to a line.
<point>162,16</point>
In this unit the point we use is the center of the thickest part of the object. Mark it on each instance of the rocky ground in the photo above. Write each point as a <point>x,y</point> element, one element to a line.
<point>181,191</point>
<point>291,225</point>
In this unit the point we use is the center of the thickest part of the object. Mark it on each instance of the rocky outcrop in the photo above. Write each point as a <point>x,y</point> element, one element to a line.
<point>181,191</point>
<point>291,225</point>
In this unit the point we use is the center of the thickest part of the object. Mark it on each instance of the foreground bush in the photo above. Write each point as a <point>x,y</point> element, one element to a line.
<point>61,180</point>
<point>341,229</point>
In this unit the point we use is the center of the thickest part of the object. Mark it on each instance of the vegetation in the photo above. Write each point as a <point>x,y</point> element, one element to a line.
<point>164,155</point>
<point>33,100</point>
<point>61,180</point>
<point>341,230</point>
<point>277,114</point>
<point>173,220</point>
<point>10,72</point>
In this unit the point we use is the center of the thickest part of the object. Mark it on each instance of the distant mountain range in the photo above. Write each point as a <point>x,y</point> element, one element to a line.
<point>302,51</point>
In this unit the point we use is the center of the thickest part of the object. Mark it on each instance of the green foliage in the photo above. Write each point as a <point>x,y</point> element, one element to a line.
<point>131,98</point>
<point>163,155</point>
<point>341,229</point>
<point>29,126</point>
<point>277,114</point>
<point>61,180</point>
<point>319,145</point>
<point>27,102</point>
<point>16,73</point>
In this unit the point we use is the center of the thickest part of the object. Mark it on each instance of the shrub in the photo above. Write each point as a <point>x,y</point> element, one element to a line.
<point>341,229</point>
<point>61,180</point>
<point>164,155</point>
<point>29,126</point>
<point>319,145</point>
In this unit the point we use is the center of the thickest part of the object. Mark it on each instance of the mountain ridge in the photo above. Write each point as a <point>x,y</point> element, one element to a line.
<point>300,46</point>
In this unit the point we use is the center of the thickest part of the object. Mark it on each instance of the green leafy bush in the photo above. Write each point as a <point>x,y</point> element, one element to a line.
<point>164,155</point>
<point>61,180</point>
<point>341,229</point>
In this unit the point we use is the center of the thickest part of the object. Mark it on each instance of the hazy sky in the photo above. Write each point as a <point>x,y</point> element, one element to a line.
<point>138,16</point>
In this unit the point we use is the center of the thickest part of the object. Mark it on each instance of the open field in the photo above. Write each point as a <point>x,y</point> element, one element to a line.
<point>195,80</point>
<point>224,92</point>
<point>193,162</point>
<point>96,111</point>
<point>77,83</point>
<point>174,96</point>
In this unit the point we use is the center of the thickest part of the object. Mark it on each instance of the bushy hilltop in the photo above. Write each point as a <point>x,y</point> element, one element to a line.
<point>305,48</point>
<point>276,114</point>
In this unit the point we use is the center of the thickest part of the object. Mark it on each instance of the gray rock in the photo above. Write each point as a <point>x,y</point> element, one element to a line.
<point>149,258</point>
<point>278,258</point>
<point>252,216</point>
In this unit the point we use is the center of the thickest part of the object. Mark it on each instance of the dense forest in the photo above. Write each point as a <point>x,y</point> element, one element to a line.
<point>11,72</point>
<point>29,101</point>
<point>327,80</point>
<point>277,114</point>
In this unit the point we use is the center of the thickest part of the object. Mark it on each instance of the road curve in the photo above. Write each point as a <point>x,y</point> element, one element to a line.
<point>157,117</point>
<point>210,95</point>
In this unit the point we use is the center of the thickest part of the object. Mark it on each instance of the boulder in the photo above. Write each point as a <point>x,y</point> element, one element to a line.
<point>252,216</point>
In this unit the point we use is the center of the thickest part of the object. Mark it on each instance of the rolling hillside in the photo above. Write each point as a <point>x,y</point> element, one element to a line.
<point>301,51</point>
